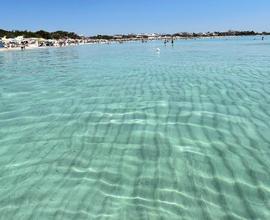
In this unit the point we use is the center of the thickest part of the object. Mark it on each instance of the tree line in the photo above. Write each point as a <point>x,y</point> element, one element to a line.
<point>65,34</point>
<point>39,34</point>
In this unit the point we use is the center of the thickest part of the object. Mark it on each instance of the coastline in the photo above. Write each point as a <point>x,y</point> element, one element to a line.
<point>35,48</point>
<point>102,41</point>
<point>18,49</point>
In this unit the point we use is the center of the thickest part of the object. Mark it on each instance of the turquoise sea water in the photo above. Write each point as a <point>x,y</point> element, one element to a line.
<point>123,132</point>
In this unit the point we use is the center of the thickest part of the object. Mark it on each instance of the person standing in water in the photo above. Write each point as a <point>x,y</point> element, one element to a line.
<point>172,41</point>
<point>262,38</point>
<point>22,46</point>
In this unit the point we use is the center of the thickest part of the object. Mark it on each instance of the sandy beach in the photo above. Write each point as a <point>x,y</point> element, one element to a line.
<point>19,48</point>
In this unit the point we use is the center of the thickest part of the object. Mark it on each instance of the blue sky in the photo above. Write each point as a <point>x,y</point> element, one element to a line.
<point>91,17</point>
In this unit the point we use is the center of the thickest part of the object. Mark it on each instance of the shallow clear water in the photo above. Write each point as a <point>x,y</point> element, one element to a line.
<point>122,132</point>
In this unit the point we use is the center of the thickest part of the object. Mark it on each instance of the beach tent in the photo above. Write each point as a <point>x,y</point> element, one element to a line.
<point>5,40</point>
<point>19,38</point>
<point>40,41</point>
<point>1,44</point>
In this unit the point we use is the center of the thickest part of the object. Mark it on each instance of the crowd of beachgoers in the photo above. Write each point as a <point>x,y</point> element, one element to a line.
<point>22,43</point>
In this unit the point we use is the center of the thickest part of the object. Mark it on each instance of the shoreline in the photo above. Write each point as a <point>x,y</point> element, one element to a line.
<point>35,48</point>
<point>119,41</point>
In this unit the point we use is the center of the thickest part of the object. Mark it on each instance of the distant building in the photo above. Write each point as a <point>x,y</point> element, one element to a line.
<point>118,36</point>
